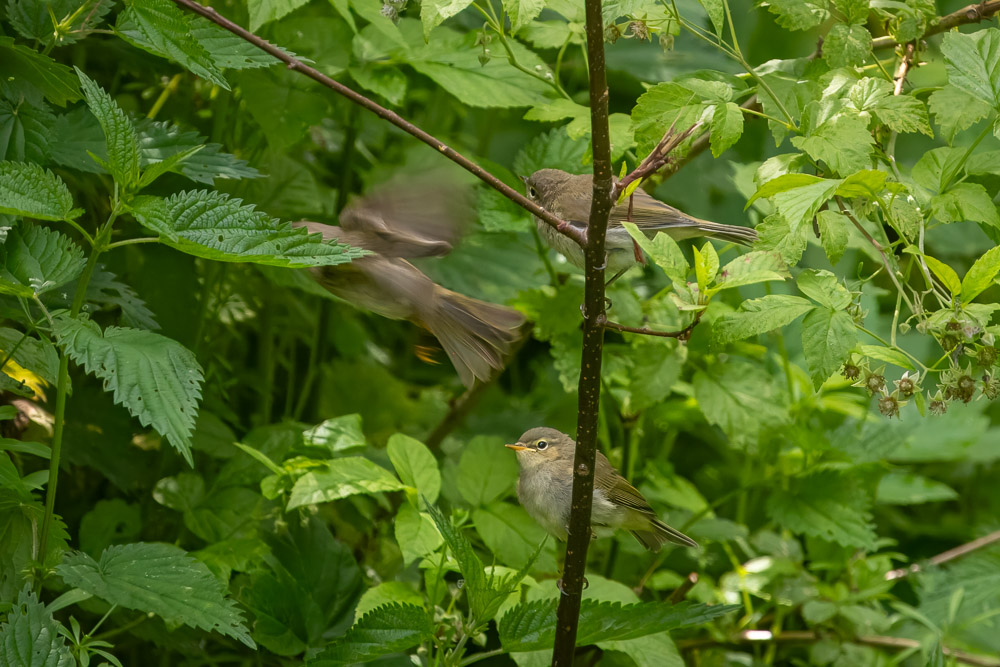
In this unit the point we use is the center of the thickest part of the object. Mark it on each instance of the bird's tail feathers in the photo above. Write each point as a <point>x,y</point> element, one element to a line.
<point>477,336</point>
<point>731,233</point>
<point>660,534</point>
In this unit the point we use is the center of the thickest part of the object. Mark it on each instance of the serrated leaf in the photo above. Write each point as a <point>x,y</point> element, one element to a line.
<point>226,50</point>
<point>486,470</point>
<point>753,267</point>
<point>161,28</point>
<point>776,235</point>
<point>661,106</point>
<point>214,226</point>
<point>973,63</point>
<point>387,629</point>
<point>706,265</point>
<point>824,288</point>
<point>159,141</point>
<point>716,11</point>
<point>24,131</point>
<point>415,465</point>
<point>945,274</point>
<point>38,356</point>
<point>727,126</point>
<point>741,399</point>
<point>664,252</point>
<point>119,134</point>
<point>34,19</point>
<point>966,201</point>
<point>843,143</point>
<point>155,378</point>
<point>26,71</point>
<point>799,203</point>
<point>981,274</point>
<point>904,113</point>
<point>522,12</point>
<point>342,477</point>
<point>827,337</point>
<point>104,289</point>
<point>799,14</point>
<point>30,637</point>
<point>828,504</point>
<point>847,45</point>
<point>956,110</point>
<point>170,164</point>
<point>757,316</point>
<point>531,626</point>
<point>36,259</point>
<point>833,234</point>
<point>27,189</point>
<point>158,578</point>
<point>866,183</point>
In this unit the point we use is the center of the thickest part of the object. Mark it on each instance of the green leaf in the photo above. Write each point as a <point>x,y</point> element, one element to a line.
<point>214,226</point>
<point>830,504</point>
<point>486,471</point>
<point>888,355</point>
<point>155,378</point>
<point>26,70</point>
<point>226,50</point>
<point>824,288</point>
<point>966,201</point>
<point>907,488</point>
<point>956,110</point>
<point>775,234</point>
<point>522,12</point>
<point>973,63</point>
<point>38,356</point>
<point>30,637</point>
<point>981,274</point>
<point>343,477</point>
<point>843,143</point>
<point>26,189</point>
<point>799,205</point>
<point>827,337</point>
<point>937,167</point>
<point>716,11</point>
<point>337,435</point>
<point>174,163</point>
<point>833,234</point>
<point>903,113</point>
<point>415,465</point>
<point>434,12</point>
<point>531,626</point>
<point>161,579</point>
<point>741,399</point>
<point>753,267</point>
<point>511,534</point>
<point>727,126</point>
<point>661,106</point>
<point>706,265</point>
<point>784,182</point>
<point>385,593</point>
<point>161,28</point>
<point>265,11</point>
<point>847,45</point>
<point>119,134</point>
<point>945,274</point>
<point>388,629</point>
<point>799,14</point>
<point>664,252</point>
<point>866,183</point>
<point>36,259</point>
<point>757,316</point>
<point>655,375</point>
<point>24,131</point>
<point>416,533</point>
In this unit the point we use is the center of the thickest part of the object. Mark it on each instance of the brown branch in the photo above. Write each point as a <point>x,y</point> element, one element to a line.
<point>702,143</point>
<point>748,637</point>
<point>594,318</point>
<point>683,334</point>
<point>297,65</point>
<point>658,158</point>
<point>681,592</point>
<point>945,556</point>
<point>974,13</point>
<point>904,67</point>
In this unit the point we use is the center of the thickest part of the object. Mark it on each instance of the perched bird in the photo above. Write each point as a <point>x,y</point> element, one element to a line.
<point>415,222</point>
<point>568,197</point>
<point>545,487</point>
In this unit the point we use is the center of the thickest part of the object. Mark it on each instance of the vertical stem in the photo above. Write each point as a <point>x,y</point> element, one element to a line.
<point>568,614</point>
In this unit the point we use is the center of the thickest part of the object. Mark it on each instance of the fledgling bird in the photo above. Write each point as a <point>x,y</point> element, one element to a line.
<point>403,222</point>
<point>568,197</point>
<point>545,488</point>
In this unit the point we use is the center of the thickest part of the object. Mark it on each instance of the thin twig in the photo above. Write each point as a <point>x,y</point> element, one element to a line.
<point>945,556</point>
<point>974,13</point>
<point>702,143</point>
<point>904,67</point>
<point>589,400</point>
<point>681,591</point>
<point>808,637</point>
<point>683,334</point>
<point>297,65</point>
<point>657,158</point>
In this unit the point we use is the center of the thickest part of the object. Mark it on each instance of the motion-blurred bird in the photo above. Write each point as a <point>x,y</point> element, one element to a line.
<point>408,221</point>
<point>568,197</point>
<point>545,489</point>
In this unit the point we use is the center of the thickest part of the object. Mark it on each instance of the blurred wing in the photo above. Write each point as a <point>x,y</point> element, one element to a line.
<point>617,489</point>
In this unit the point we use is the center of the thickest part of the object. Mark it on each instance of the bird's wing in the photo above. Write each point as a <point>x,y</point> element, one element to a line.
<point>651,214</point>
<point>617,489</point>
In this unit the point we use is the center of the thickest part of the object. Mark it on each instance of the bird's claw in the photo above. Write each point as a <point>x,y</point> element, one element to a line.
<point>559,585</point>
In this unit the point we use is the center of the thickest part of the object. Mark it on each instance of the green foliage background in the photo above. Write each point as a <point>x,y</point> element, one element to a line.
<point>243,474</point>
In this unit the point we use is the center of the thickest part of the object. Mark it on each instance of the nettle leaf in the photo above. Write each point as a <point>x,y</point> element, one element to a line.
<point>981,274</point>
<point>906,488</point>
<point>973,63</point>
<point>956,110</point>
<point>827,338</point>
<point>531,626</point>
<point>38,356</point>
<point>830,504</point>
<point>757,316</point>
<point>387,629</point>
<point>155,378</point>
<point>343,477</point>
<point>415,465</point>
<point>161,28</point>
<point>847,45</point>
<point>34,18</point>
<point>799,14</point>
<point>27,189</point>
<point>53,80</point>
<point>105,289</point>
<point>159,141</point>
<point>214,226</point>
<point>30,637</point>
<point>741,399</point>
<point>122,143</point>
<point>36,259</point>
<point>24,131</point>
<point>843,143</point>
<point>160,579</point>
<point>225,49</point>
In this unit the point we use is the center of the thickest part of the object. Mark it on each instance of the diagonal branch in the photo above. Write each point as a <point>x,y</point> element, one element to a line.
<point>682,334</point>
<point>974,13</point>
<point>386,114</point>
<point>659,157</point>
<point>945,556</point>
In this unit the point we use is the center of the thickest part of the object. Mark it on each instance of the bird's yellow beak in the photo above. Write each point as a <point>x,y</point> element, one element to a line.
<point>518,447</point>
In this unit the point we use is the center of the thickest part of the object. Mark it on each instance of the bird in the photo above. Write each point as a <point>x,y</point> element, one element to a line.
<point>409,222</point>
<point>568,197</point>
<point>545,486</point>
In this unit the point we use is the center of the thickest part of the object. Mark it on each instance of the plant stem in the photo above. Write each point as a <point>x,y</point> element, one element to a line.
<point>125,242</point>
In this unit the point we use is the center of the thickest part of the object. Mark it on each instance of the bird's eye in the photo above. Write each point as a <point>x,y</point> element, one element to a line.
<point>541,445</point>
<point>532,192</point>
